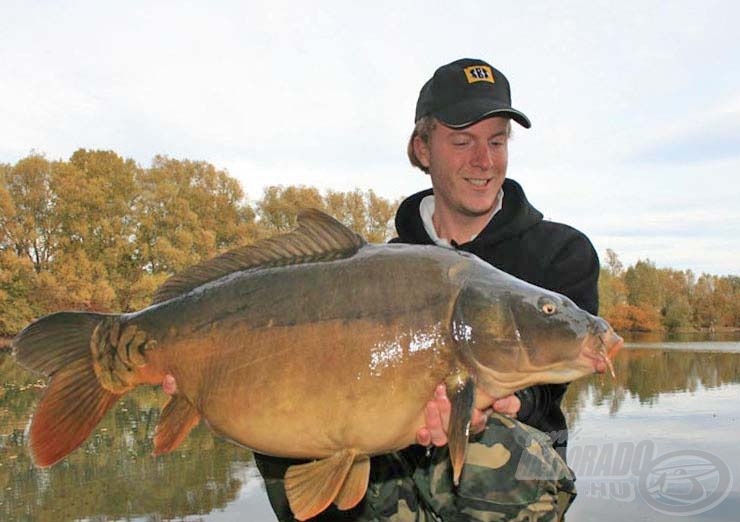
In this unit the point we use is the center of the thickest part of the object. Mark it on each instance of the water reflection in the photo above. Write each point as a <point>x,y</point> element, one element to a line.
<point>645,371</point>
<point>113,474</point>
<point>672,407</point>
<point>672,387</point>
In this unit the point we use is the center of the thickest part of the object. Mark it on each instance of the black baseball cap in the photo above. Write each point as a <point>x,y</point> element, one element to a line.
<point>466,91</point>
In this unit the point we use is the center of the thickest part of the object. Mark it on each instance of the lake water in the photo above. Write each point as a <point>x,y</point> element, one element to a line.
<point>657,443</point>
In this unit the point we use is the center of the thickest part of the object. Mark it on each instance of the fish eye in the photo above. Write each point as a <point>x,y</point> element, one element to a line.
<point>549,308</point>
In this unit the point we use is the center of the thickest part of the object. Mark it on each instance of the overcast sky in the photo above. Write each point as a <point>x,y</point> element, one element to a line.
<point>635,106</point>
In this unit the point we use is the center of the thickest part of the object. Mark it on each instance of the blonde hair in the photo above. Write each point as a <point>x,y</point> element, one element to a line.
<point>423,129</point>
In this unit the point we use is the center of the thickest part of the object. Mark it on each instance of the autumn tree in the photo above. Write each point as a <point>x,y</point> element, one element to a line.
<point>185,212</point>
<point>733,290</point>
<point>29,223</point>
<point>188,211</point>
<point>99,232</point>
<point>613,263</point>
<point>643,285</point>
<point>715,301</point>
<point>612,290</point>
<point>676,290</point>
<point>95,193</point>
<point>362,211</point>
<point>726,299</point>
<point>702,302</point>
<point>279,206</point>
<point>18,300</point>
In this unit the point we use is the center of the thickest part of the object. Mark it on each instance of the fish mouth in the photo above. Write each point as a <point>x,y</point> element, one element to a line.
<point>600,349</point>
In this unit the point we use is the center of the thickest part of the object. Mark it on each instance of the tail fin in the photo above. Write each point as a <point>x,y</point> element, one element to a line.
<point>58,346</point>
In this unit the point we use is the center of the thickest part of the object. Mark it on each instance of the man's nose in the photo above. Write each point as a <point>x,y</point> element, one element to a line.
<point>482,156</point>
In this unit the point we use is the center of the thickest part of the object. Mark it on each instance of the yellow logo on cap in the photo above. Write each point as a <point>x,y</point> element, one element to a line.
<point>479,73</point>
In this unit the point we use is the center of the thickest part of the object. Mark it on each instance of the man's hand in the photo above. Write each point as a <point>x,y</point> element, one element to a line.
<point>437,417</point>
<point>509,406</point>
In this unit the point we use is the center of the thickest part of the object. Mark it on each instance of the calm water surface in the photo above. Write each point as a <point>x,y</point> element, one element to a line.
<point>659,441</point>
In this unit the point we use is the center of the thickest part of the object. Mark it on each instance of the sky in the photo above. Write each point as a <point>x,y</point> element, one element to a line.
<point>635,106</point>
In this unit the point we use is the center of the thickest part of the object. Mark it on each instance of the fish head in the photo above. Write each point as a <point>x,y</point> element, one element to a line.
<point>517,335</point>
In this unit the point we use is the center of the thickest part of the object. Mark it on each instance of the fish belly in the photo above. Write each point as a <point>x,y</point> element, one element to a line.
<point>310,391</point>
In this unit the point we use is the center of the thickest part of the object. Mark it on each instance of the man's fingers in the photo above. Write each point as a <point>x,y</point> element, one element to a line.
<point>445,408</point>
<point>509,405</point>
<point>436,420</point>
<point>435,424</point>
<point>437,417</point>
<point>423,437</point>
<point>478,421</point>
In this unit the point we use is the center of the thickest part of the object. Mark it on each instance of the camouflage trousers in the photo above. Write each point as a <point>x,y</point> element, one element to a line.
<point>511,472</point>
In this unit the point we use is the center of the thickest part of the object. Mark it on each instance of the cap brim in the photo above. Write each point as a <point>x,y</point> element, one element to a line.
<point>473,110</point>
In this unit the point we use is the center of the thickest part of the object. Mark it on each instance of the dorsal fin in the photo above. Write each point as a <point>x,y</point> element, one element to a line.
<point>318,237</point>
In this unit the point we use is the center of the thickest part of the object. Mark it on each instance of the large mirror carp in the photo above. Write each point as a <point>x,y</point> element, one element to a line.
<point>313,345</point>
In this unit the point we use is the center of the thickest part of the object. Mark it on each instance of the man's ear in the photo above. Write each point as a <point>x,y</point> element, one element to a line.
<point>421,149</point>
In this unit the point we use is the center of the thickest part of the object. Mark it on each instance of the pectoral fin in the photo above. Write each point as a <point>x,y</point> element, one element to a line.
<point>461,392</point>
<point>177,419</point>
<point>312,487</point>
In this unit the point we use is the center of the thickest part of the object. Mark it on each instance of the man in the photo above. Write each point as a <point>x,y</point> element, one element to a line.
<point>460,139</point>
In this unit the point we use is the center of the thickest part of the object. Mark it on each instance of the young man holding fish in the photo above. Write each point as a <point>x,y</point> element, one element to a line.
<point>460,139</point>
<point>250,343</point>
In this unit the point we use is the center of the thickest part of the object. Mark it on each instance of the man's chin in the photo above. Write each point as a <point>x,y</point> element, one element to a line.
<point>473,212</point>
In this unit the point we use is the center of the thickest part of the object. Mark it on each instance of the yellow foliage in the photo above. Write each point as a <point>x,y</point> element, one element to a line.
<point>625,317</point>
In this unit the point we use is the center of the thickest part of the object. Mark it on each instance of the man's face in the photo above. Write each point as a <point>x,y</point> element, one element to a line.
<point>467,166</point>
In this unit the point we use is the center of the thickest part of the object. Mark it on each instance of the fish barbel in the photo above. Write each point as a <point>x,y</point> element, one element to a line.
<point>313,345</point>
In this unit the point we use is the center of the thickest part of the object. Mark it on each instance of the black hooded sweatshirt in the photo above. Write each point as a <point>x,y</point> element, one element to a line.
<point>551,255</point>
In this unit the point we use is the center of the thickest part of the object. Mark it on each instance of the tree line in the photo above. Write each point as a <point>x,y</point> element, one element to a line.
<point>645,298</point>
<point>99,232</point>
